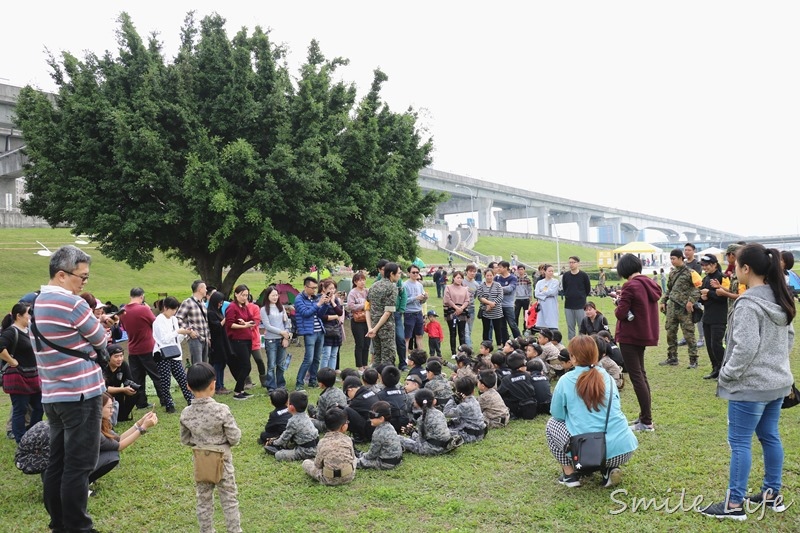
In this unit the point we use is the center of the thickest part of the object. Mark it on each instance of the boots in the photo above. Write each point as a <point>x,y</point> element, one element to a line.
<point>692,363</point>
<point>670,361</point>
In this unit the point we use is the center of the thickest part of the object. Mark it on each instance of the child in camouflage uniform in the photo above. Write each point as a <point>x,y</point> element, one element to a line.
<point>335,462</point>
<point>300,431</point>
<point>464,412</point>
<point>432,436</point>
<point>330,397</point>
<point>210,424</point>
<point>494,409</point>
<point>438,384</point>
<point>386,450</point>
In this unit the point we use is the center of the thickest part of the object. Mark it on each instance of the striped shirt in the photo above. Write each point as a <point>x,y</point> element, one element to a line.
<point>493,293</point>
<point>66,320</point>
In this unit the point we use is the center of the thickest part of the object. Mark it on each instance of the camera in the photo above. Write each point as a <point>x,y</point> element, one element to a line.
<point>130,383</point>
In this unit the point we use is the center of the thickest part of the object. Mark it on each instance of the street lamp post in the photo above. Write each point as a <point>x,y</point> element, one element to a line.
<point>558,251</point>
<point>471,196</point>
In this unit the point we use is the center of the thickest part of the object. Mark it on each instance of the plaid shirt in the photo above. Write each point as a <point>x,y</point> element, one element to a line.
<point>192,315</point>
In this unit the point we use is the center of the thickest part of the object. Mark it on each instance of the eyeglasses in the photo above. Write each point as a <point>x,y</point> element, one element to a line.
<point>83,279</point>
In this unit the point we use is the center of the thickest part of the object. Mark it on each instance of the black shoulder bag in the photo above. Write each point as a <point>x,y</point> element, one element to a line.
<point>587,451</point>
<point>101,354</point>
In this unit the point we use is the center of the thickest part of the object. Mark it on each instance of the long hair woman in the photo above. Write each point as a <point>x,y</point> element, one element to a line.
<point>579,405</point>
<point>21,380</point>
<point>220,350</point>
<point>755,377</point>
<point>277,334</point>
<point>169,335</point>
<point>356,301</point>
<point>239,325</point>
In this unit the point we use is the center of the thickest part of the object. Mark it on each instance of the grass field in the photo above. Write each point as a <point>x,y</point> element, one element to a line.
<point>505,483</point>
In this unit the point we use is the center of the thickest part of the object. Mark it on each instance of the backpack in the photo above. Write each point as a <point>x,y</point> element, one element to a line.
<point>33,452</point>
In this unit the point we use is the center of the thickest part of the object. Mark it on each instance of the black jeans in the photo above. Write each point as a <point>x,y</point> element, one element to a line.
<point>633,356</point>
<point>519,305</point>
<point>241,353</point>
<point>715,334</point>
<point>143,365</point>
<point>499,327</point>
<point>459,327</point>
<point>74,448</point>
<point>359,330</point>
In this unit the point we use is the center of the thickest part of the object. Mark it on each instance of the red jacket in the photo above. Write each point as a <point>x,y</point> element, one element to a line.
<point>640,295</point>
<point>434,330</point>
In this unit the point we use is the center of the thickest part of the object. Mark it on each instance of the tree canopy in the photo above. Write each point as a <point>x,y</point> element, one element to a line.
<point>221,159</point>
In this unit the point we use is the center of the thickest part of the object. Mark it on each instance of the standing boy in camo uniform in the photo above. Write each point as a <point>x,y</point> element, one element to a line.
<point>300,430</point>
<point>207,423</point>
<point>335,462</point>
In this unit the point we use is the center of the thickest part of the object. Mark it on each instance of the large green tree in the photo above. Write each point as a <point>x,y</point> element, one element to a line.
<point>220,159</point>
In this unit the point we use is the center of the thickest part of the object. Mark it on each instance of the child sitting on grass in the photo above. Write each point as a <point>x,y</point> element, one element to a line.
<point>501,369</point>
<point>300,431</point>
<point>416,361</point>
<point>278,418</point>
<point>517,390</point>
<point>495,411</point>
<point>464,412</point>
<point>542,386</point>
<point>438,384</point>
<point>208,424</point>
<point>370,380</point>
<point>386,450</point>
<point>431,436</point>
<point>330,396</point>
<point>396,397</point>
<point>485,351</point>
<point>335,462</point>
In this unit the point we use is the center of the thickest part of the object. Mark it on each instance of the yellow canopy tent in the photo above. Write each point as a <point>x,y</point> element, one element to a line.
<point>638,248</point>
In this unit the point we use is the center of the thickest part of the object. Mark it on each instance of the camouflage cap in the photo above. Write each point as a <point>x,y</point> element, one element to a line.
<point>731,249</point>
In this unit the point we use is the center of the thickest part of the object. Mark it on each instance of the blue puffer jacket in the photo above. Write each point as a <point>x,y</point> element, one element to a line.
<point>306,311</point>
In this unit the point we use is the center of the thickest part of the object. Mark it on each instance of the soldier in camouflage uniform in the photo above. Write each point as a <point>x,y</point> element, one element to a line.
<point>210,424</point>
<point>300,431</point>
<point>386,451</point>
<point>335,462</point>
<point>382,300</point>
<point>677,303</point>
<point>464,413</point>
<point>438,384</point>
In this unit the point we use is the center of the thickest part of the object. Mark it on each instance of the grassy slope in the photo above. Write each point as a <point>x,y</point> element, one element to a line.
<point>504,483</point>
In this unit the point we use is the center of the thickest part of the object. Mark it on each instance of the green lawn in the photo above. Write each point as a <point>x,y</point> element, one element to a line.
<point>505,483</point>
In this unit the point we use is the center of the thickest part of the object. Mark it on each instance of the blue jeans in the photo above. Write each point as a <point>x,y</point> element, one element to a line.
<point>74,448</point>
<point>329,355</point>
<point>198,351</point>
<point>19,408</point>
<point>744,418</point>
<point>219,370</point>
<point>311,358</point>
<point>276,356</point>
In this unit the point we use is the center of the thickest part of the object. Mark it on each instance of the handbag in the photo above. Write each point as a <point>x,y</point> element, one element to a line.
<point>359,316</point>
<point>333,329</point>
<point>208,465</point>
<point>587,451</point>
<point>170,351</point>
<point>697,312</point>
<point>792,399</point>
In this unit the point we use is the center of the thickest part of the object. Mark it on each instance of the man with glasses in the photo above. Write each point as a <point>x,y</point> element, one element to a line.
<point>138,321</point>
<point>577,288</point>
<point>310,308</point>
<point>416,296</point>
<point>193,315</point>
<point>72,388</point>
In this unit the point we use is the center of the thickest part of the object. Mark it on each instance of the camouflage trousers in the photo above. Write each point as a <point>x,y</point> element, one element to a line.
<point>317,473</point>
<point>374,463</point>
<point>384,345</point>
<point>227,491</point>
<point>296,454</point>
<point>678,317</point>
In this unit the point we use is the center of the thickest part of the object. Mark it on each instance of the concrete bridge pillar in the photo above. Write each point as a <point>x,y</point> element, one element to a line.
<point>629,235</point>
<point>583,227</point>
<point>500,221</point>
<point>542,215</point>
<point>484,208</point>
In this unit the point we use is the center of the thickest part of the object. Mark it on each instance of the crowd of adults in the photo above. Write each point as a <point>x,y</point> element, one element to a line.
<point>56,355</point>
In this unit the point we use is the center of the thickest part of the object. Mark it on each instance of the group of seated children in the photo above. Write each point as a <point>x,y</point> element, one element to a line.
<point>427,414</point>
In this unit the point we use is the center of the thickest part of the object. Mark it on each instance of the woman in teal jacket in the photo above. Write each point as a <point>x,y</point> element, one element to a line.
<point>579,406</point>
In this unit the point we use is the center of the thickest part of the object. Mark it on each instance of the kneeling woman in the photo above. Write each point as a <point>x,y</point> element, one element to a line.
<point>579,406</point>
<point>111,443</point>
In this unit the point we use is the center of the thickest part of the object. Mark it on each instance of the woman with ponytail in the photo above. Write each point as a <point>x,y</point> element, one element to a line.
<point>755,377</point>
<point>21,377</point>
<point>579,405</point>
<point>431,436</point>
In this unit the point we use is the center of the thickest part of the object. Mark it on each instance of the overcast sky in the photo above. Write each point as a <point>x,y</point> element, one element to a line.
<point>679,109</point>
